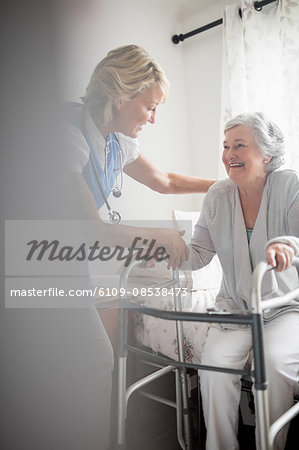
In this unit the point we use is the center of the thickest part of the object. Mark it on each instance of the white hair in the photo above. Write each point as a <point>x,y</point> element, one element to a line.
<point>268,136</point>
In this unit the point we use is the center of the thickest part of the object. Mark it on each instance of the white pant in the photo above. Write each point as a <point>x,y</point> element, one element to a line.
<point>221,391</point>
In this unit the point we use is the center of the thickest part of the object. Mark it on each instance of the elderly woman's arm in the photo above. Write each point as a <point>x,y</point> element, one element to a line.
<point>201,248</point>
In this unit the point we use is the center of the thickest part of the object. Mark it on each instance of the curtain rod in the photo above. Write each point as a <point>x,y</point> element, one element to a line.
<point>176,38</point>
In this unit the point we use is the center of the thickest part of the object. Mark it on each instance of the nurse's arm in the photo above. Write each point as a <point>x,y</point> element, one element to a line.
<point>124,235</point>
<point>147,173</point>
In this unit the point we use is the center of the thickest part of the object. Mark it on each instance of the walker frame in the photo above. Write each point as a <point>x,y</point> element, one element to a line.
<point>253,318</point>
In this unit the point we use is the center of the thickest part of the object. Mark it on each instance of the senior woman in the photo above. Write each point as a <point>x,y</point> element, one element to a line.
<point>251,216</point>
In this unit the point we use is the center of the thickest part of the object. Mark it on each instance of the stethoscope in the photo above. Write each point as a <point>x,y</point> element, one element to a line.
<point>116,189</point>
<point>114,216</point>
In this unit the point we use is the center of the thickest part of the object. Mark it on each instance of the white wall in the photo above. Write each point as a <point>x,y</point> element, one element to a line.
<point>88,36</point>
<point>185,137</point>
<point>203,70</point>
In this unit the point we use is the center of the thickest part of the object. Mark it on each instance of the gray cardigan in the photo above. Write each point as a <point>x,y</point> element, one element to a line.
<point>221,229</point>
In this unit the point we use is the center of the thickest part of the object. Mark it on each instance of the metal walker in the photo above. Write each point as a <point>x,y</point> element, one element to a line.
<point>253,318</point>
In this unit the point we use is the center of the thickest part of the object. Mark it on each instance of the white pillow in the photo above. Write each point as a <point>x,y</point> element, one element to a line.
<point>209,277</point>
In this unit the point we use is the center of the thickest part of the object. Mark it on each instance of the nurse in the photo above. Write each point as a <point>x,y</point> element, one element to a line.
<point>124,92</point>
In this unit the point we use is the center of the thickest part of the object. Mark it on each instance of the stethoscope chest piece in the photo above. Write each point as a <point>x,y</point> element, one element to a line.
<point>116,192</point>
<point>114,217</point>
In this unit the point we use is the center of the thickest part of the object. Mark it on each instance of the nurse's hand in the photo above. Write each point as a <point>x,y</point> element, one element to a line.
<point>280,256</point>
<point>175,246</point>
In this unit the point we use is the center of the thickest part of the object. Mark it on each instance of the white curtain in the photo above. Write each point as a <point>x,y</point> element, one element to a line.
<point>261,66</point>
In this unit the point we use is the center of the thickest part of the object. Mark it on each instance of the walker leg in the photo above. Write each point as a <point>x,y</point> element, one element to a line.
<point>122,379</point>
<point>121,407</point>
<point>262,420</point>
<point>182,370</point>
<point>186,409</point>
<point>260,383</point>
<point>179,412</point>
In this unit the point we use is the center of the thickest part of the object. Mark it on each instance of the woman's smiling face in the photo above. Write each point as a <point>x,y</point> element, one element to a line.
<point>243,161</point>
<point>132,115</point>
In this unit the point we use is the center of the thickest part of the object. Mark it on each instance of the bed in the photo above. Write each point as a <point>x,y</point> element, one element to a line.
<point>198,295</point>
<point>199,292</point>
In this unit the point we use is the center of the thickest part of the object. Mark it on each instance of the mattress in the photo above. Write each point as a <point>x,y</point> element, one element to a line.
<point>159,334</point>
<point>200,290</point>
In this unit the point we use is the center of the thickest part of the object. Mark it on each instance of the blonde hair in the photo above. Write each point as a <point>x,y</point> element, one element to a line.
<point>124,73</point>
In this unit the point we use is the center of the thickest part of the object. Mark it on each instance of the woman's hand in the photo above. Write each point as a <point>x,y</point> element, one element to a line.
<point>175,246</point>
<point>280,256</point>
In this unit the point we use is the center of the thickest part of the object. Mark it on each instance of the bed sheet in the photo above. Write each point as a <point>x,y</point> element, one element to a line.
<point>160,335</point>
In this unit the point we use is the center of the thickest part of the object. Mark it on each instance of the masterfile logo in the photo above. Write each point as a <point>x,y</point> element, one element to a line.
<point>50,257</point>
<point>141,249</point>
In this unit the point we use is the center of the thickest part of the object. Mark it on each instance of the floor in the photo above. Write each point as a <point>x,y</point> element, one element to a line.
<point>152,426</point>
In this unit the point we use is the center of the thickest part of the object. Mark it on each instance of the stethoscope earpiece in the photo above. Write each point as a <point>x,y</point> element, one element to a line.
<point>114,217</point>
